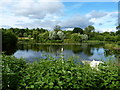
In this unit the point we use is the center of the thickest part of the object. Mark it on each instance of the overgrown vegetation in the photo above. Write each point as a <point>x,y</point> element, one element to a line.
<point>57,73</point>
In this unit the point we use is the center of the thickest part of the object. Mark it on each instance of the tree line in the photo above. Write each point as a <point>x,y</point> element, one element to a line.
<point>57,35</point>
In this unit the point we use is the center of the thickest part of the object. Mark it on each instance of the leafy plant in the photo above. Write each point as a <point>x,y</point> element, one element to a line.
<point>57,73</point>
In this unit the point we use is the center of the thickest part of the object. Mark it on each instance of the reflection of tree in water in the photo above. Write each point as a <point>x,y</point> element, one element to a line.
<point>76,49</point>
<point>10,50</point>
<point>56,49</point>
<point>47,48</point>
<point>87,50</point>
<point>80,48</point>
<point>109,52</point>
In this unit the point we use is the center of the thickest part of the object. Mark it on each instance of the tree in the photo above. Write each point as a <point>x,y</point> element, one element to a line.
<point>106,33</point>
<point>118,27</point>
<point>61,35</point>
<point>53,35</point>
<point>89,30</point>
<point>118,32</point>
<point>84,37</point>
<point>43,37</point>
<point>9,40</point>
<point>57,28</point>
<point>25,34</point>
<point>78,30</point>
<point>76,37</point>
<point>35,34</point>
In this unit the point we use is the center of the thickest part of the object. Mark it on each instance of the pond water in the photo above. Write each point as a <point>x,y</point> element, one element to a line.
<point>80,52</point>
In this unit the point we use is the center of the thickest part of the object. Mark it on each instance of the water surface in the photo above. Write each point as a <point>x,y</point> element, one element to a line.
<point>80,52</point>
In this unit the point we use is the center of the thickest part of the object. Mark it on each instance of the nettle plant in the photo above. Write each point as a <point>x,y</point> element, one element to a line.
<point>57,73</point>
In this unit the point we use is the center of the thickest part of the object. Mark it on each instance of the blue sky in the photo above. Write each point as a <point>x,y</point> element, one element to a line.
<point>85,7</point>
<point>37,13</point>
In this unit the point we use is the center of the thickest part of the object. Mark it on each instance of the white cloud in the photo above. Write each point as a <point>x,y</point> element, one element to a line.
<point>70,29</point>
<point>97,14</point>
<point>32,13</point>
<point>37,9</point>
<point>105,29</point>
<point>11,21</point>
<point>48,22</point>
<point>76,21</point>
<point>106,23</point>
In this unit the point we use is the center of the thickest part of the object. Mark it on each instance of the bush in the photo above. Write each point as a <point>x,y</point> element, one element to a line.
<point>76,37</point>
<point>84,37</point>
<point>43,37</point>
<point>9,40</point>
<point>57,73</point>
<point>67,41</point>
<point>118,42</point>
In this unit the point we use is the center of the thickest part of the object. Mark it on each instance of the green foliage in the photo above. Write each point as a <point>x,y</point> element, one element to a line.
<point>53,35</point>
<point>100,37</point>
<point>68,41</point>
<point>118,27</point>
<point>57,28</point>
<point>78,30</point>
<point>35,34</point>
<point>11,71</point>
<point>9,40</point>
<point>57,73</point>
<point>54,41</point>
<point>88,30</point>
<point>118,32</point>
<point>56,35</point>
<point>118,42</point>
<point>76,37</point>
<point>25,35</point>
<point>84,37</point>
<point>43,37</point>
<point>61,35</point>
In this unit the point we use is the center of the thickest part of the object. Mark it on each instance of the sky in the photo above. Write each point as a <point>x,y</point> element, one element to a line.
<point>68,14</point>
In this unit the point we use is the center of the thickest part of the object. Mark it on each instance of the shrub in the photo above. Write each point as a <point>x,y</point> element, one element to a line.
<point>67,41</point>
<point>43,37</point>
<point>61,35</point>
<point>118,42</point>
<point>76,37</point>
<point>9,40</point>
<point>84,37</point>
